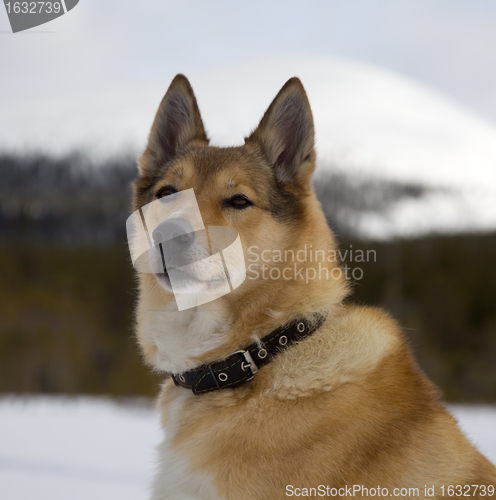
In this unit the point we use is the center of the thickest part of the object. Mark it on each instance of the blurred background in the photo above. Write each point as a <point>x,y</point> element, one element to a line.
<point>404,100</point>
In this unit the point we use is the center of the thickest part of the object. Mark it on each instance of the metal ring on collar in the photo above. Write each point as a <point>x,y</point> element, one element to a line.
<point>222,377</point>
<point>301,327</point>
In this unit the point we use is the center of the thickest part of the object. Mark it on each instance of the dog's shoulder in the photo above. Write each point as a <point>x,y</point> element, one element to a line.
<point>348,346</point>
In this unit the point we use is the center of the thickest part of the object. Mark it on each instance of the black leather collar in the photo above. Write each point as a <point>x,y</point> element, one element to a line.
<point>241,366</point>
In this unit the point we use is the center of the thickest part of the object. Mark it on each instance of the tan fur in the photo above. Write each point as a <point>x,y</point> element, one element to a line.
<point>346,406</point>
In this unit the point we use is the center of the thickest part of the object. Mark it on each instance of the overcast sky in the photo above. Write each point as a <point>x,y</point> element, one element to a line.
<point>103,54</point>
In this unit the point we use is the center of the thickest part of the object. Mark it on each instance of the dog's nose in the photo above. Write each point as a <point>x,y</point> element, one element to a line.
<point>177,234</point>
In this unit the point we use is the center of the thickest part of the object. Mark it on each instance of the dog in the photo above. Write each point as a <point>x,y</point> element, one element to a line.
<point>282,387</point>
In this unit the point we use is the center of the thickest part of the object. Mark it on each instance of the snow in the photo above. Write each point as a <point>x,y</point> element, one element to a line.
<point>439,211</point>
<point>55,448</point>
<point>81,448</point>
<point>479,425</point>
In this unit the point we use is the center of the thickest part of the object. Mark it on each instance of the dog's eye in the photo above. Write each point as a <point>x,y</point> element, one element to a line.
<point>166,191</point>
<point>238,201</point>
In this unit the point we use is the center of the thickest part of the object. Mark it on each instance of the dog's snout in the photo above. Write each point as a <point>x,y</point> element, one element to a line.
<point>178,232</point>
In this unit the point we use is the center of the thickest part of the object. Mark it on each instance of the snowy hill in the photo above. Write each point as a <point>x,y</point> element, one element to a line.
<point>371,120</point>
<point>370,123</point>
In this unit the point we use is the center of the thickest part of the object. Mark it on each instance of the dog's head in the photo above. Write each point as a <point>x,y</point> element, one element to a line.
<point>261,189</point>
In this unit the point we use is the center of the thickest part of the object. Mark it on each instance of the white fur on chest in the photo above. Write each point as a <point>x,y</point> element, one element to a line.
<point>183,335</point>
<point>174,479</point>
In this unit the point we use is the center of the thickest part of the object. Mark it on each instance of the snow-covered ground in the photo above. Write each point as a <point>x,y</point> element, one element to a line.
<point>75,449</point>
<point>95,448</point>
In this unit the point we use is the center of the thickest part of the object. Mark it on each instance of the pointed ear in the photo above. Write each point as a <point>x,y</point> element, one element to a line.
<point>286,135</point>
<point>177,124</point>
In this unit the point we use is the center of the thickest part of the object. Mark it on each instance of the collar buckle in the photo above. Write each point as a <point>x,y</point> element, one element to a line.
<point>248,363</point>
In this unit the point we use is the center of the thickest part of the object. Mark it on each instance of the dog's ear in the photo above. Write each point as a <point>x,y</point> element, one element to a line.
<point>177,124</point>
<point>286,134</point>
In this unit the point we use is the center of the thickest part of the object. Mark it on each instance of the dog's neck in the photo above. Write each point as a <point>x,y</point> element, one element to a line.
<point>181,337</point>
<point>187,339</point>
